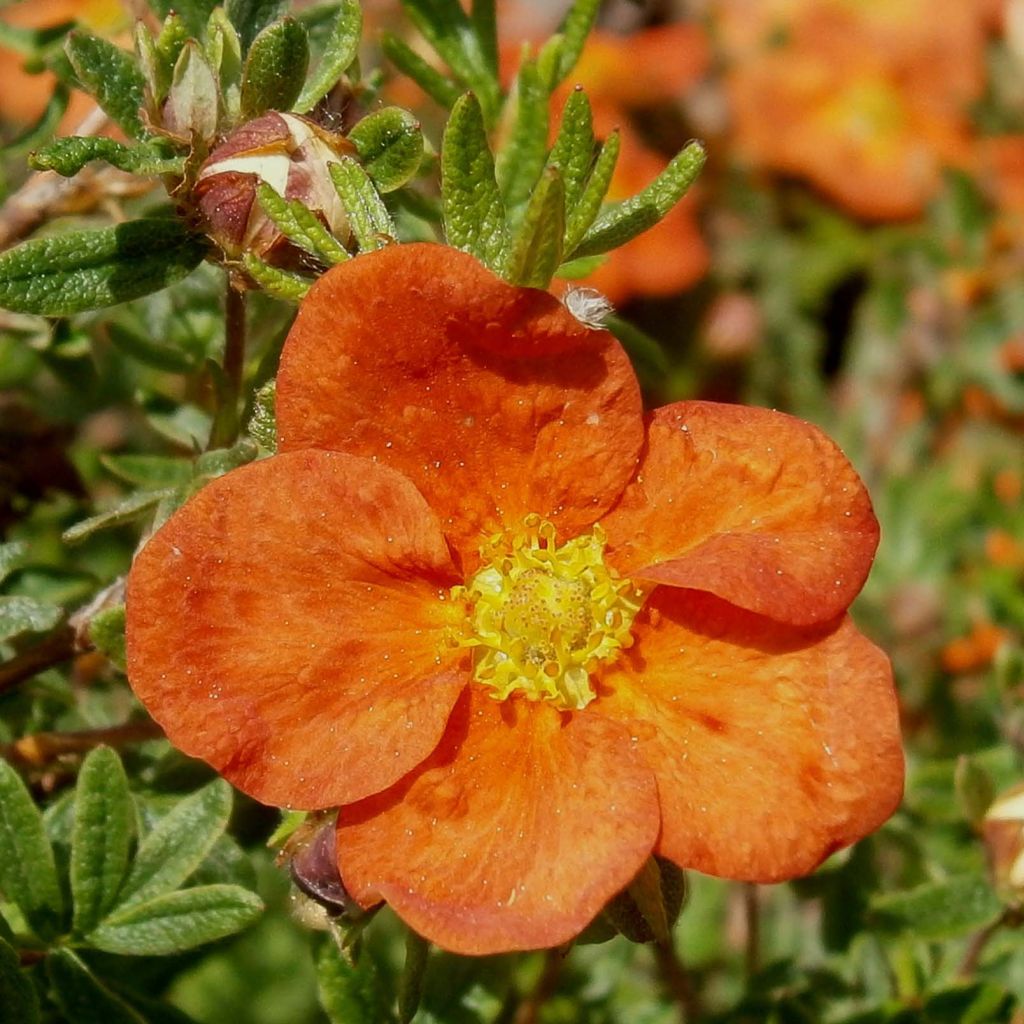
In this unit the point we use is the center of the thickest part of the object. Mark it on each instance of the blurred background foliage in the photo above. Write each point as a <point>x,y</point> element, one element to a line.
<point>853,253</point>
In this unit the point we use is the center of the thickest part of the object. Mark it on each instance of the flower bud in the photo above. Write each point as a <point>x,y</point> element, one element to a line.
<point>289,153</point>
<point>1003,829</point>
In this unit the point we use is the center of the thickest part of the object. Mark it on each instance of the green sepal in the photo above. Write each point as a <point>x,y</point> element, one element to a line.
<point>368,217</point>
<point>580,216</point>
<point>148,352</point>
<point>410,984</point>
<point>352,992</point>
<point>573,34</point>
<point>21,614</point>
<point>126,511</point>
<point>101,838</point>
<point>80,270</point>
<point>28,872</point>
<point>279,284</point>
<point>340,50</point>
<point>521,161</point>
<point>82,997</point>
<point>177,921</point>
<point>474,214</point>
<point>263,421</point>
<point>19,1003</point>
<point>224,52</point>
<point>536,248</point>
<point>251,17</point>
<point>67,156</point>
<point>649,906</point>
<point>628,219</point>
<point>390,147</point>
<point>111,76</point>
<point>939,910</point>
<point>440,89</point>
<point>106,632</point>
<point>275,68</point>
<point>573,151</point>
<point>219,461</point>
<point>44,127</point>
<point>299,224</point>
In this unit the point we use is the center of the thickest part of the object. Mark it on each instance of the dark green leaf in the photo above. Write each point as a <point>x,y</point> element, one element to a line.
<point>574,31</point>
<point>440,89</point>
<point>28,874</point>
<point>177,921</point>
<point>536,248</point>
<point>573,151</point>
<point>44,127</point>
<point>22,614</point>
<point>352,993</point>
<point>625,221</point>
<point>81,270</point>
<point>939,910</point>
<point>18,1001</point>
<point>275,68</point>
<point>483,15</point>
<point>582,215</point>
<point>82,997</point>
<point>131,508</point>
<point>69,155</point>
<point>102,836</point>
<point>522,158</point>
<point>340,50</point>
<point>297,222</point>
<point>177,846</point>
<point>106,631</point>
<point>368,217</point>
<point>281,284</point>
<point>139,346</point>
<point>111,76</point>
<point>250,17</point>
<point>152,471</point>
<point>474,215</point>
<point>390,147</point>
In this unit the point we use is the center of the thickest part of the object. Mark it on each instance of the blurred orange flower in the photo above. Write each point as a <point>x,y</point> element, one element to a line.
<point>524,637</point>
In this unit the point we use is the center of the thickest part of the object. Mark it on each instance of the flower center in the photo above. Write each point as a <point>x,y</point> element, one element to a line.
<point>543,617</point>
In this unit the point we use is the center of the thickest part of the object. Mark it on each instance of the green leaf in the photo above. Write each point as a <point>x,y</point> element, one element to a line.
<point>67,156</point>
<point>975,788</point>
<point>352,993</point>
<point>298,223</point>
<point>573,151</point>
<point>440,89</point>
<point>536,249</point>
<point>194,13</point>
<point>224,52</point>
<point>28,873</point>
<point>110,75</point>
<point>141,347</point>
<point>44,127</point>
<point>483,15</point>
<point>177,846</point>
<point>573,270</point>
<point>625,221</point>
<point>645,353</point>
<point>19,614</point>
<point>368,217</point>
<point>390,147</point>
<point>250,17</point>
<point>30,41</point>
<point>12,555</point>
<point>574,31</point>
<point>151,471</point>
<point>474,215</point>
<point>340,50</point>
<point>939,910</point>
<point>106,631</point>
<point>131,508</point>
<point>219,461</point>
<point>192,110</point>
<point>275,68</point>
<point>101,838</point>
<point>410,986</point>
<point>173,37</point>
<point>82,997</point>
<point>263,423</point>
<point>280,284</point>
<point>582,215</point>
<point>521,160</point>
<point>80,270</point>
<point>177,921</point>
<point>18,1001</point>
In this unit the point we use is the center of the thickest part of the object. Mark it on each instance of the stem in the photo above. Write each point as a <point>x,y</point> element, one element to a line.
<point>226,426</point>
<point>547,984</point>
<point>41,747</point>
<point>677,981</point>
<point>57,648</point>
<point>980,940</point>
<point>752,915</point>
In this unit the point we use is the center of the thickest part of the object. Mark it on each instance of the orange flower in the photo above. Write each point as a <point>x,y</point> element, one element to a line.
<point>521,636</point>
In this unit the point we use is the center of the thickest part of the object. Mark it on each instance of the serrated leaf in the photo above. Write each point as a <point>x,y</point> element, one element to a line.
<point>521,160</point>
<point>352,993</point>
<point>110,75</point>
<point>280,284</point>
<point>573,151</point>
<point>139,346</point>
<point>131,508</point>
<point>297,222</point>
<point>19,614</point>
<point>12,555</point>
<point>939,910</point>
<point>101,837</point>
<point>192,110</point>
<point>536,248</point>
<point>177,921</point>
<point>80,270</point>
<point>474,214</point>
<point>263,423</point>
<point>625,221</point>
<point>340,50</point>
<point>250,17</point>
<point>574,32</point>
<point>82,997</point>
<point>582,215</point>
<point>275,68</point>
<point>368,217</point>
<point>177,846</point>
<point>28,873</point>
<point>44,127</point>
<point>151,471</point>
<point>106,631</point>
<point>390,147</point>
<point>440,89</point>
<point>67,156</point>
<point>18,1001</point>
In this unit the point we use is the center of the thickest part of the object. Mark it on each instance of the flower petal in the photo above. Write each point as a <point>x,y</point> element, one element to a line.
<point>494,400</point>
<point>514,834</point>
<point>286,627</point>
<point>755,506</point>
<point>773,746</point>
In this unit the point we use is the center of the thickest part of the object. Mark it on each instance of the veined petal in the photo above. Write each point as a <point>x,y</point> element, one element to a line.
<point>287,626</point>
<point>520,827</point>
<point>494,400</point>
<point>773,746</point>
<point>755,506</point>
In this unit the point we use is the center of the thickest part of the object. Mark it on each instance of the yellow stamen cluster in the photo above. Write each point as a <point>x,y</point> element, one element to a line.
<point>542,617</point>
